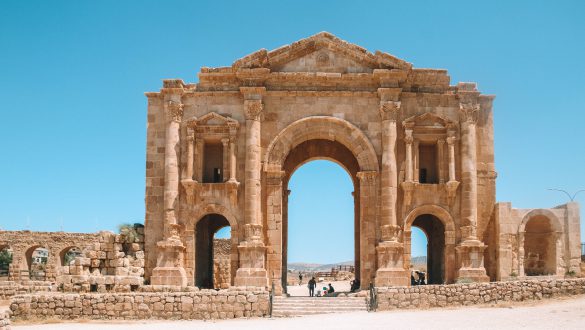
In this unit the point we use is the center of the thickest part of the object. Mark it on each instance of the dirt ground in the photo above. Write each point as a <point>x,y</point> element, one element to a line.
<point>549,314</point>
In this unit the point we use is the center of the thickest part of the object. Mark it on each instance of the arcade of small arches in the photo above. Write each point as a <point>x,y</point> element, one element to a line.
<point>39,256</point>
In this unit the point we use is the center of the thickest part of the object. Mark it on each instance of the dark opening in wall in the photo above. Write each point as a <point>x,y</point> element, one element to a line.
<point>93,288</point>
<point>428,169</point>
<point>212,162</point>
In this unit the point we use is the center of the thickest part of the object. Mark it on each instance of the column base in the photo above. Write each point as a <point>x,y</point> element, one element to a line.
<point>169,276</point>
<point>390,260</point>
<point>470,255</point>
<point>252,271</point>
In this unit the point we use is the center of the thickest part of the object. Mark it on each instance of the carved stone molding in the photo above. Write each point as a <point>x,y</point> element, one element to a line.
<point>174,111</point>
<point>253,109</point>
<point>468,112</point>
<point>367,177</point>
<point>390,232</point>
<point>390,110</point>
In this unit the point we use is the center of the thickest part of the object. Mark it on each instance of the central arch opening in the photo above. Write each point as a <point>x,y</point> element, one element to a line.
<point>321,216</point>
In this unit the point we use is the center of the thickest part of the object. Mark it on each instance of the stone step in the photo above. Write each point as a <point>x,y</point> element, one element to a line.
<point>298,306</point>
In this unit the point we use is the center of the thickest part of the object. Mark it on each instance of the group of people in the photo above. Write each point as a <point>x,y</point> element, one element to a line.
<point>312,285</point>
<point>420,280</point>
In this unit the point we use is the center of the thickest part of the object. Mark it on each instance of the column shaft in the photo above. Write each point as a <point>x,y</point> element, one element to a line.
<point>441,162</point>
<point>226,159</point>
<point>451,143</point>
<point>190,142</point>
<point>232,159</point>
<point>408,140</point>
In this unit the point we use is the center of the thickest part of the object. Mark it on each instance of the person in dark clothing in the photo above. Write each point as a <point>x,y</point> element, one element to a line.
<point>355,285</point>
<point>412,279</point>
<point>331,289</point>
<point>300,278</point>
<point>312,284</point>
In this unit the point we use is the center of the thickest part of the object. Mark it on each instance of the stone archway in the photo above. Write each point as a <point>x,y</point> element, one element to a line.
<point>540,244</point>
<point>195,216</point>
<point>332,139</point>
<point>439,226</point>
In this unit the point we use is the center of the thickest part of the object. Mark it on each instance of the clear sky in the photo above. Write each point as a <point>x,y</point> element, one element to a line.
<point>73,74</point>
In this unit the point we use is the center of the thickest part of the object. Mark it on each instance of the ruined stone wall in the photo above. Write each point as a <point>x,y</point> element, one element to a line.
<point>22,243</point>
<point>10,288</point>
<point>197,304</point>
<point>111,263</point>
<point>221,263</point>
<point>426,296</point>
<point>556,249</point>
<point>107,262</point>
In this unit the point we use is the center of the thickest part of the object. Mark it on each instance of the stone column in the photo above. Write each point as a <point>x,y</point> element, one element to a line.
<point>470,251</point>
<point>190,142</point>
<point>441,162</point>
<point>416,155</point>
<point>252,271</point>
<point>226,158</point>
<point>451,144</point>
<point>199,159</point>
<point>389,250</point>
<point>169,270</point>
<point>408,140</point>
<point>232,159</point>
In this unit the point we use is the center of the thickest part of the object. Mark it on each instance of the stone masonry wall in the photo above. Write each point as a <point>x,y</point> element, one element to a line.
<point>195,304</point>
<point>221,263</point>
<point>426,296</point>
<point>108,264</point>
<point>9,288</point>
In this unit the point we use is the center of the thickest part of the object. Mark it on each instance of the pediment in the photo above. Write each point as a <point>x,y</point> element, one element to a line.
<point>322,52</point>
<point>429,120</point>
<point>212,119</point>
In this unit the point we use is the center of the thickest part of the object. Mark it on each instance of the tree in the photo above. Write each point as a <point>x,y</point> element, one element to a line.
<point>5,258</point>
<point>129,232</point>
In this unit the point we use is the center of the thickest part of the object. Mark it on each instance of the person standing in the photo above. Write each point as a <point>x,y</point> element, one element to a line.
<point>312,284</point>
<point>300,278</point>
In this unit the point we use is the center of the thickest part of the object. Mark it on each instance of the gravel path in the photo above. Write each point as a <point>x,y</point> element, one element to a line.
<point>550,314</point>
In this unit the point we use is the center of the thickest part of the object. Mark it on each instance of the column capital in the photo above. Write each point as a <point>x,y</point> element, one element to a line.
<point>253,109</point>
<point>440,142</point>
<point>174,111</point>
<point>367,177</point>
<point>468,112</point>
<point>225,141</point>
<point>390,110</point>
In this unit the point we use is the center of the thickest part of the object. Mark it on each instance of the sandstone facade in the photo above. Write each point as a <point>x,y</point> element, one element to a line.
<point>420,153</point>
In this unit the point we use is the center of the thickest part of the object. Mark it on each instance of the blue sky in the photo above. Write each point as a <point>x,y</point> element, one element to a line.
<point>73,74</point>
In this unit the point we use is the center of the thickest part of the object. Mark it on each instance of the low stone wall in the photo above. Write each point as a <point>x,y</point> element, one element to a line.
<point>10,288</point>
<point>426,296</point>
<point>196,304</point>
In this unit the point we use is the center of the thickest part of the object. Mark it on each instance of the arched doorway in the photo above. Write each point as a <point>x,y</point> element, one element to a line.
<point>322,150</point>
<point>321,224</point>
<point>36,259</point>
<point>435,233</point>
<point>439,228</point>
<point>329,138</point>
<point>540,246</point>
<point>205,246</point>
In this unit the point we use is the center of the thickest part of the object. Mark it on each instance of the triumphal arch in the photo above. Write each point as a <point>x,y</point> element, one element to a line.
<point>419,150</point>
